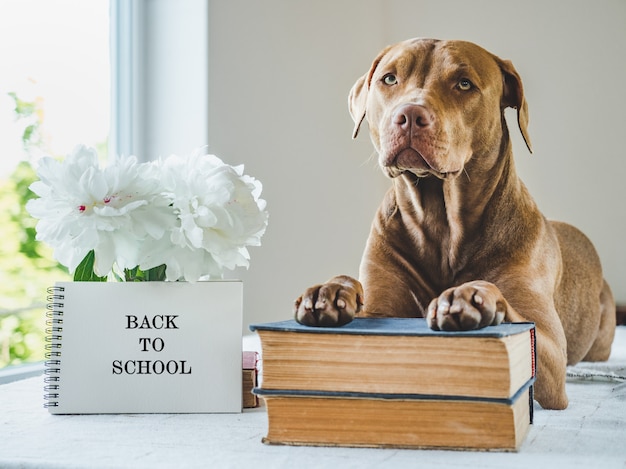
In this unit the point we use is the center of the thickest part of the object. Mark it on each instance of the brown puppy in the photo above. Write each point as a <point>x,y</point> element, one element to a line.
<point>458,238</point>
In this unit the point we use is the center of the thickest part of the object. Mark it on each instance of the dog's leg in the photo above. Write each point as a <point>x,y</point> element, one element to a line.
<point>479,303</point>
<point>601,348</point>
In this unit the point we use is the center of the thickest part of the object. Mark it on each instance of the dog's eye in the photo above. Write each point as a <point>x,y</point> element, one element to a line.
<point>390,79</point>
<point>465,85</point>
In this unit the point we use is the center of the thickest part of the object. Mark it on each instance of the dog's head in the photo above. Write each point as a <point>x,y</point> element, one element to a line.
<point>433,105</point>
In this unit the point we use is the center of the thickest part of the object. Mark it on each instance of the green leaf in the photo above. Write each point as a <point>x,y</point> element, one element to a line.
<point>156,274</point>
<point>28,132</point>
<point>84,271</point>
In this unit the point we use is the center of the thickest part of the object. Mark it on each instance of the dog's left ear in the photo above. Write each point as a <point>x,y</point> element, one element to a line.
<point>513,96</point>
<point>357,101</point>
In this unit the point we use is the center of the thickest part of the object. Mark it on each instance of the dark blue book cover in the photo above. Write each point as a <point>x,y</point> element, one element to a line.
<point>259,391</point>
<point>393,327</point>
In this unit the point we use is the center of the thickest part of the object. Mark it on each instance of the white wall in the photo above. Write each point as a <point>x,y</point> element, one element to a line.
<point>279,75</point>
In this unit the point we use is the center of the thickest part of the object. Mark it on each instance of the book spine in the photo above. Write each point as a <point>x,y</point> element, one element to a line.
<point>533,352</point>
<point>54,330</point>
<point>533,355</point>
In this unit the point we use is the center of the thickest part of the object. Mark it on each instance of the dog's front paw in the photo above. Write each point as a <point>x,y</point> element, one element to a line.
<point>473,305</point>
<point>333,303</point>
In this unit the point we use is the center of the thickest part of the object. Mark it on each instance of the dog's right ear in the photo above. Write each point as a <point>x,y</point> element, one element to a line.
<point>357,101</point>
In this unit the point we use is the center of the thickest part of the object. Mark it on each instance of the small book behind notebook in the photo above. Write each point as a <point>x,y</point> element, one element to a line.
<point>249,379</point>
<point>395,382</point>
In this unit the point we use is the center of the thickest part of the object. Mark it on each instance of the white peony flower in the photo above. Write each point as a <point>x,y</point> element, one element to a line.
<point>195,216</point>
<point>219,214</point>
<point>110,211</point>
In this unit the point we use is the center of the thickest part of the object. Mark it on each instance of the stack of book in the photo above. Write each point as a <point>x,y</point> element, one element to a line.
<point>396,383</point>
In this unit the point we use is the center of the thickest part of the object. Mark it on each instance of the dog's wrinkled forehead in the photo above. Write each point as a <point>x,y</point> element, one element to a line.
<point>434,59</point>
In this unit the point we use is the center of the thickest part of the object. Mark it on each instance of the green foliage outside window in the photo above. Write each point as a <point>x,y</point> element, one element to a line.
<point>26,266</point>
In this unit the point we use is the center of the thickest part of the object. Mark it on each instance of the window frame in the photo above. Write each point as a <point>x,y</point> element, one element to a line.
<point>159,77</point>
<point>127,73</point>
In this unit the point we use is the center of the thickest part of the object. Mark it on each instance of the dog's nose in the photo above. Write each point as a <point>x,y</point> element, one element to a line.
<point>408,115</point>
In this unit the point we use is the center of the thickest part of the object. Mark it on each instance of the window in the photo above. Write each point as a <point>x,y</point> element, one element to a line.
<point>54,94</point>
<point>55,63</point>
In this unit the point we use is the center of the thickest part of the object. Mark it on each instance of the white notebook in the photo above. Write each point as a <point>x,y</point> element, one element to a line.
<point>144,347</point>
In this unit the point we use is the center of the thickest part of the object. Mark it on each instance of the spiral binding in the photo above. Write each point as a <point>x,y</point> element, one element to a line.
<point>54,330</point>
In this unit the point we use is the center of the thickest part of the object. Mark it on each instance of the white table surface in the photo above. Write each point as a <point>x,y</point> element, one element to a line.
<point>590,433</point>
